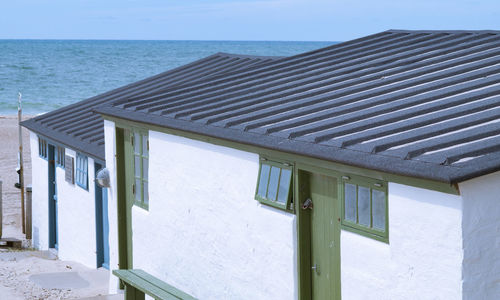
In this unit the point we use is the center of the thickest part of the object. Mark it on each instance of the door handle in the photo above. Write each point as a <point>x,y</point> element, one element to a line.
<point>315,268</point>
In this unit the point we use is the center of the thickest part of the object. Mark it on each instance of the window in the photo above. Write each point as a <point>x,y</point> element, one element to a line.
<point>42,148</point>
<point>140,188</point>
<point>274,184</point>
<point>81,172</point>
<point>60,151</point>
<point>365,207</point>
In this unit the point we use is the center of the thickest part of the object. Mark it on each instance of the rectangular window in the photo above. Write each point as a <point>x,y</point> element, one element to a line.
<point>140,145</point>
<point>60,151</point>
<point>274,184</point>
<point>42,148</point>
<point>364,207</point>
<point>81,172</point>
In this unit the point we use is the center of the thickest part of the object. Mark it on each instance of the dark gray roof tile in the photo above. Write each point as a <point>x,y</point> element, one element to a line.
<point>414,103</point>
<point>77,127</point>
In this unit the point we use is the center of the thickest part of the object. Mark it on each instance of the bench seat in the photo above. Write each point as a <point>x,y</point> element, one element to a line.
<point>138,283</point>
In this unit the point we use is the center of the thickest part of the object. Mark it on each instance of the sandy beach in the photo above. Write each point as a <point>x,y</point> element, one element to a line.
<point>8,158</point>
<point>30,274</point>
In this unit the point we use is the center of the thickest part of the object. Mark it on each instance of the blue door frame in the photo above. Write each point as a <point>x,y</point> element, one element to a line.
<point>53,232</point>
<point>101,223</point>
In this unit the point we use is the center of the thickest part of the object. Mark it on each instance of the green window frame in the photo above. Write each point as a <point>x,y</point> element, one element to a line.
<point>43,148</point>
<point>60,153</point>
<point>140,165</point>
<point>274,184</point>
<point>81,170</point>
<point>365,207</point>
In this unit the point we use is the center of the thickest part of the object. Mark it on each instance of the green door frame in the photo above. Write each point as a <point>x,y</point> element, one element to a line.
<point>123,146</point>
<point>302,191</point>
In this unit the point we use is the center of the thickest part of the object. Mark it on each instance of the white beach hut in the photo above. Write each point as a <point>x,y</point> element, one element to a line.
<point>365,170</point>
<point>70,211</point>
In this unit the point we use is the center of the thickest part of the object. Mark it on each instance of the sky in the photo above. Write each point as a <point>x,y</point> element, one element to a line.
<point>282,20</point>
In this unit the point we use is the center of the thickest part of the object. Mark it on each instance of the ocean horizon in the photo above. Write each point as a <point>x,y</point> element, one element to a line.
<point>54,73</point>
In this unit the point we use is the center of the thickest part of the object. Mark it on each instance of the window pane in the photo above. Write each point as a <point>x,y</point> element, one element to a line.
<point>350,202</point>
<point>145,145</point>
<point>378,202</point>
<point>284,185</point>
<point>137,166</point>
<point>146,191</point>
<point>273,183</point>
<point>364,206</point>
<point>137,143</point>
<point>145,168</point>
<point>138,191</point>
<point>264,178</point>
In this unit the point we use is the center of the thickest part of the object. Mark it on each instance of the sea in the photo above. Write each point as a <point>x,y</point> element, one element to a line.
<point>54,73</point>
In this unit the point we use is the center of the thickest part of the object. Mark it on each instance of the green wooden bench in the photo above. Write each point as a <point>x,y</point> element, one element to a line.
<point>138,283</point>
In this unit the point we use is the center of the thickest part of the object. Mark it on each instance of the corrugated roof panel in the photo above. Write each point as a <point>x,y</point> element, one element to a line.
<point>398,101</point>
<point>77,127</point>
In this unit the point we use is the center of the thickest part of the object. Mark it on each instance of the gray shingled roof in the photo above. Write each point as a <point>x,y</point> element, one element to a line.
<point>418,103</point>
<point>77,127</point>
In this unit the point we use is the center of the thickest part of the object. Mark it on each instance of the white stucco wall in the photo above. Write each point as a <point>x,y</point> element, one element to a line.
<point>204,233</point>
<point>40,194</point>
<point>75,210</point>
<point>423,259</point>
<point>481,237</point>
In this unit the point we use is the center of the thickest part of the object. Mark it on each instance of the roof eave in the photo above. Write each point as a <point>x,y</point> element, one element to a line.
<point>96,152</point>
<point>388,164</point>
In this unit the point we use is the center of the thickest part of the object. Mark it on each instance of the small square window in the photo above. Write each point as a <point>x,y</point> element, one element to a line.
<point>60,153</point>
<point>82,178</point>
<point>365,207</point>
<point>140,145</point>
<point>42,148</point>
<point>274,184</point>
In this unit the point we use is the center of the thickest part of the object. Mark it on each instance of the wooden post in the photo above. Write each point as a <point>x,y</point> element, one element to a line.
<point>28,212</point>
<point>1,209</point>
<point>21,171</point>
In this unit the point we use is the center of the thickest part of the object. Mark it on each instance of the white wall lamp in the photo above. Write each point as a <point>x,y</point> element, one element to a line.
<point>102,178</point>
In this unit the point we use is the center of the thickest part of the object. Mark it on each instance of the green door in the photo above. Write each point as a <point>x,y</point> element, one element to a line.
<point>324,237</point>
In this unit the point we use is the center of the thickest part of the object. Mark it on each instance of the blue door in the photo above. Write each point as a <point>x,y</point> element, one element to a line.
<point>52,198</point>
<point>102,224</point>
<point>105,228</point>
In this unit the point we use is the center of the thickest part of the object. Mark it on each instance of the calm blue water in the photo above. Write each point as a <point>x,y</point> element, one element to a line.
<point>55,73</point>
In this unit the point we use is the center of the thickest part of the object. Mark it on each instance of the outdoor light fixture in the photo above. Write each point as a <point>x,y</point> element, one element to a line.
<point>102,178</point>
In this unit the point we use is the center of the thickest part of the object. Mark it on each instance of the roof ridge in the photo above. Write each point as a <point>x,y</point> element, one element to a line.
<point>477,31</point>
<point>248,55</point>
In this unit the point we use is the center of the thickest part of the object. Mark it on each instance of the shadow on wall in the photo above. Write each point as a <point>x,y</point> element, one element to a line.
<point>425,196</point>
<point>36,240</point>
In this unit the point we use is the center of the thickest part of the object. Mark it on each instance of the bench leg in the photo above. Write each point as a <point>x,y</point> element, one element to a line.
<point>131,293</point>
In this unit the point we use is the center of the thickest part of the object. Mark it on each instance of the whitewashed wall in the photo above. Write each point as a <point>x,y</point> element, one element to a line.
<point>204,233</point>
<point>423,259</point>
<point>76,217</point>
<point>75,211</point>
<point>40,195</point>
<point>481,236</point>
